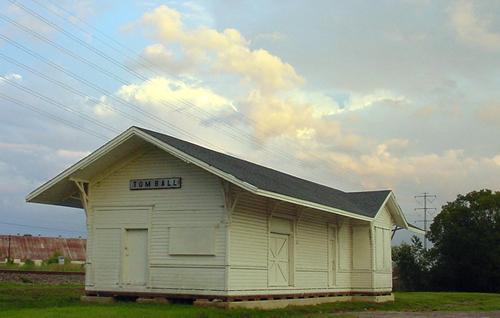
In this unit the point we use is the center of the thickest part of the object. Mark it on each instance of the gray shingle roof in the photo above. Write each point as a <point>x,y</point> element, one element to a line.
<point>365,203</point>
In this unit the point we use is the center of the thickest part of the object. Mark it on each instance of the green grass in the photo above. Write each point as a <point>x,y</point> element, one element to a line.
<point>17,300</point>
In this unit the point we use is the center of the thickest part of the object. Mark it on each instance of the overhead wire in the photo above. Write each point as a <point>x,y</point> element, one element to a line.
<point>103,91</point>
<point>98,68</point>
<point>146,63</point>
<point>42,227</point>
<point>54,117</point>
<point>58,104</point>
<point>126,68</point>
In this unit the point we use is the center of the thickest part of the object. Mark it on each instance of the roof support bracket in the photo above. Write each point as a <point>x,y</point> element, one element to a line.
<point>231,199</point>
<point>272,205</point>
<point>394,230</point>
<point>83,187</point>
<point>235,201</point>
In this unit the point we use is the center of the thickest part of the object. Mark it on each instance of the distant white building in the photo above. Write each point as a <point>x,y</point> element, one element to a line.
<point>167,217</point>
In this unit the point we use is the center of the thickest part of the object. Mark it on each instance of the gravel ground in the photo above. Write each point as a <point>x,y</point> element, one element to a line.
<point>431,314</point>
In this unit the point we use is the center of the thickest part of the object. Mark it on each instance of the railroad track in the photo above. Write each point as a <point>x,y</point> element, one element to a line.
<point>40,272</point>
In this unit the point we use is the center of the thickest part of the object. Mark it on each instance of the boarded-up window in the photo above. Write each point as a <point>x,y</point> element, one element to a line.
<point>191,240</point>
<point>279,225</point>
<point>361,247</point>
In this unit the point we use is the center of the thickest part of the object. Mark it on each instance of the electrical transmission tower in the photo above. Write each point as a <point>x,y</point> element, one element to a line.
<point>427,198</point>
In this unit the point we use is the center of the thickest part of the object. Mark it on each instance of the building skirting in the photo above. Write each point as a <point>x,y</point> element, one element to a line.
<point>262,301</point>
<point>282,303</point>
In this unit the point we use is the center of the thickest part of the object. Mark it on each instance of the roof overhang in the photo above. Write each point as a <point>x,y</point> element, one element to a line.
<point>61,189</point>
<point>397,214</point>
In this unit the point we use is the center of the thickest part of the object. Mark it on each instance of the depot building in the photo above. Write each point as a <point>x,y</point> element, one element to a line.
<point>166,217</point>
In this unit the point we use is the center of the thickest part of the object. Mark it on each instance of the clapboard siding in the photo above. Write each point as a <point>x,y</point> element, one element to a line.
<point>311,243</point>
<point>185,277</point>
<point>107,256</point>
<point>345,254</point>
<point>249,244</point>
<point>239,265</point>
<point>89,271</point>
<point>382,275</point>
<point>198,203</point>
<point>383,219</point>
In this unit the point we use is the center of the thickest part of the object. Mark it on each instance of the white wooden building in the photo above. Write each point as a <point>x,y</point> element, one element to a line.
<point>168,217</point>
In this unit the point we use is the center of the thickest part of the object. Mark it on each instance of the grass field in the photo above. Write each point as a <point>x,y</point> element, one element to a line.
<point>42,301</point>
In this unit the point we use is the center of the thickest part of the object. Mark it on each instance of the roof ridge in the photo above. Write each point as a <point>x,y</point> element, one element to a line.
<point>369,191</point>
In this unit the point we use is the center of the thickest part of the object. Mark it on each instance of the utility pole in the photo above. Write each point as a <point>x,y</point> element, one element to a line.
<point>425,196</point>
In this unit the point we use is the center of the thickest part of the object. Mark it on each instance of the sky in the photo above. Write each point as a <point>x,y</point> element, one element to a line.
<point>356,95</point>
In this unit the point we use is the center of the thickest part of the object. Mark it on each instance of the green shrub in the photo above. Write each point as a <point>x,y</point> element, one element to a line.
<point>54,259</point>
<point>29,262</point>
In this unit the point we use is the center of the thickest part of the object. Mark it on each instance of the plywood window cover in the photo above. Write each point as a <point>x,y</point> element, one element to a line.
<point>196,240</point>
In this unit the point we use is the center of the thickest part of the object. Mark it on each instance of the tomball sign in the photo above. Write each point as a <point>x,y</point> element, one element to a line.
<point>155,184</point>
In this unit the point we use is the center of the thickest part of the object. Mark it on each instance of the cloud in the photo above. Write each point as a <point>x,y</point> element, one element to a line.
<point>225,52</point>
<point>102,107</point>
<point>80,10</point>
<point>160,90</point>
<point>270,92</point>
<point>489,114</point>
<point>471,28</point>
<point>71,154</point>
<point>20,181</point>
<point>16,182</point>
<point>361,128</point>
<point>27,20</point>
<point>360,101</point>
<point>12,77</point>
<point>496,160</point>
<point>446,171</point>
<point>162,58</point>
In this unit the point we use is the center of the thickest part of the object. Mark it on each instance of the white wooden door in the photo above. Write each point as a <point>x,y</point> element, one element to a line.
<point>135,257</point>
<point>279,261</point>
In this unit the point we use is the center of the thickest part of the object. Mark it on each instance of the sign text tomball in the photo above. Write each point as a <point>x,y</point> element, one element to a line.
<point>155,183</point>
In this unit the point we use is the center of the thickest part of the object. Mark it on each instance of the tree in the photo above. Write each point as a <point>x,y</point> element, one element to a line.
<point>466,238</point>
<point>413,265</point>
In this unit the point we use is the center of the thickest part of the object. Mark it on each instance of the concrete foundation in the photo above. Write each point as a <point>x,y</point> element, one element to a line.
<point>374,299</point>
<point>282,303</point>
<point>97,299</point>
<point>261,302</point>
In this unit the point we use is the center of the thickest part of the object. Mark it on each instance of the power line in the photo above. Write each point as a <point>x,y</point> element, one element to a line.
<point>105,92</point>
<point>234,132</point>
<point>126,68</point>
<point>150,66</point>
<point>59,105</point>
<point>54,117</point>
<point>98,68</point>
<point>42,227</point>
<point>427,198</point>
